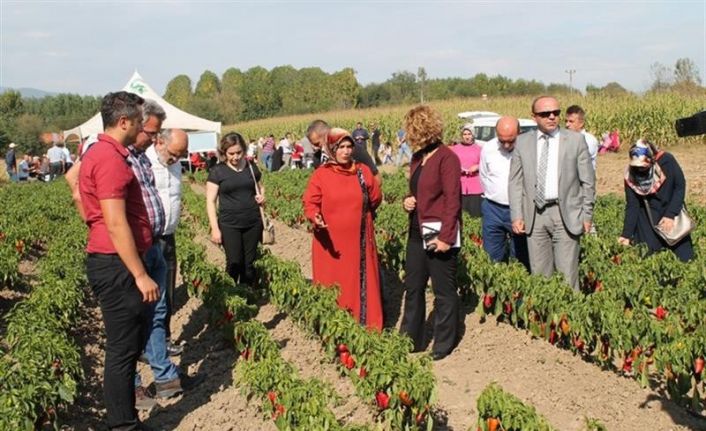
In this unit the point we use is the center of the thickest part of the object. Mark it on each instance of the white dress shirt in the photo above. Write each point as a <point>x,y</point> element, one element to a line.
<point>551,186</point>
<point>495,172</point>
<point>167,179</point>
<point>592,143</point>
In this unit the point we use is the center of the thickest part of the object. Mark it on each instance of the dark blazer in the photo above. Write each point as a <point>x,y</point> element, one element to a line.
<point>439,191</point>
<point>667,202</point>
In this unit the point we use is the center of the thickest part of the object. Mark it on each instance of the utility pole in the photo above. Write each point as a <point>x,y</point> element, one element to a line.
<point>422,77</point>
<point>571,80</point>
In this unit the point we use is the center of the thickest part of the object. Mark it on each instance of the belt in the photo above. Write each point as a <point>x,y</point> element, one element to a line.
<point>490,201</point>
<point>551,202</point>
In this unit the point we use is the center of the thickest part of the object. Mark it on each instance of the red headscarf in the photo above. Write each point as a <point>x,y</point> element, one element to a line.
<point>334,138</point>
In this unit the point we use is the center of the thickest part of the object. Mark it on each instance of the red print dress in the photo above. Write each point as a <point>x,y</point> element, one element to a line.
<point>343,253</point>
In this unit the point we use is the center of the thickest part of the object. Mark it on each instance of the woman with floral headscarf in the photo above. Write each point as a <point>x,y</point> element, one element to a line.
<point>339,202</point>
<point>654,181</point>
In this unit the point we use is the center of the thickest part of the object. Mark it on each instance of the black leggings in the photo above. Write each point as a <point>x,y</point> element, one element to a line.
<point>240,245</point>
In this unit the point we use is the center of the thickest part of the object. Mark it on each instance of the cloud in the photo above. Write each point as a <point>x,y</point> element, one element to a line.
<point>55,54</point>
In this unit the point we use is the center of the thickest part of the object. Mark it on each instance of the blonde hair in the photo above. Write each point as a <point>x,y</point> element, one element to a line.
<point>423,126</point>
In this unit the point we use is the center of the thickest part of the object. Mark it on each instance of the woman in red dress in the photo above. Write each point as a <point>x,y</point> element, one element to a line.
<point>339,201</point>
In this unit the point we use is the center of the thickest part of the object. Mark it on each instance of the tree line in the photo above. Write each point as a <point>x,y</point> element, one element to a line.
<point>256,93</point>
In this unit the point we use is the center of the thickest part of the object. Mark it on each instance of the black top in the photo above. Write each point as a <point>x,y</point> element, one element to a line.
<point>236,196</point>
<point>414,185</point>
<point>668,202</point>
<point>277,160</point>
<point>376,138</point>
<point>360,154</point>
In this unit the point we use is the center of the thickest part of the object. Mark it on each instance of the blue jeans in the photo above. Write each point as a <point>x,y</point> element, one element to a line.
<point>404,150</point>
<point>267,159</point>
<point>498,236</point>
<point>156,348</point>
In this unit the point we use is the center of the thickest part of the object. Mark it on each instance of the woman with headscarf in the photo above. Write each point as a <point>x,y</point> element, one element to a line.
<point>654,181</point>
<point>434,207</point>
<point>468,153</point>
<point>339,202</point>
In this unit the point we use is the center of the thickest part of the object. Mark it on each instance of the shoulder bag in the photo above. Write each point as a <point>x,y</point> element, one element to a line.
<point>268,228</point>
<point>683,225</point>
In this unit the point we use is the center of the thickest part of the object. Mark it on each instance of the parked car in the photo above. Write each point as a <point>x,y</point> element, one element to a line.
<point>484,124</point>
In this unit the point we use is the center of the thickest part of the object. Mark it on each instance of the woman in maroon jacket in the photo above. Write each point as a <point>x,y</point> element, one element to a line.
<point>434,207</point>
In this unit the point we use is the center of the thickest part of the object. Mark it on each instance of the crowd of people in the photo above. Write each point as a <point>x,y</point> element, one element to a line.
<point>534,192</point>
<point>54,163</point>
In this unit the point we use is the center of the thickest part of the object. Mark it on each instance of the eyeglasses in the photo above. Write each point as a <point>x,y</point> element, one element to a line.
<point>507,142</point>
<point>152,135</point>
<point>547,114</point>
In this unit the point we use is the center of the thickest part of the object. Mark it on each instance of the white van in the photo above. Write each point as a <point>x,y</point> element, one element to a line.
<point>484,124</point>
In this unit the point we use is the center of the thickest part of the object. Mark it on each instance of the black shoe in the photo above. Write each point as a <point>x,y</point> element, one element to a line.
<point>437,356</point>
<point>174,349</point>
<point>178,385</point>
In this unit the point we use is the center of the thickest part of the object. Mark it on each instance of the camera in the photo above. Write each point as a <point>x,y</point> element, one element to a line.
<point>691,126</point>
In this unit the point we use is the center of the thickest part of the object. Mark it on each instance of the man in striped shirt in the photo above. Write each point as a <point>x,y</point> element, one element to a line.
<point>168,379</point>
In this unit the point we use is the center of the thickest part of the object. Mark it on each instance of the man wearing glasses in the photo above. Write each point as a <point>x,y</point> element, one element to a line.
<point>169,381</point>
<point>164,155</point>
<point>552,192</point>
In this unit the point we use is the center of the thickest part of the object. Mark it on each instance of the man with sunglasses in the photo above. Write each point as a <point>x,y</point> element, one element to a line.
<point>170,147</point>
<point>552,192</point>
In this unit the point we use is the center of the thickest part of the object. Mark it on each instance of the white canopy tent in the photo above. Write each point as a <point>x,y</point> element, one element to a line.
<point>176,118</point>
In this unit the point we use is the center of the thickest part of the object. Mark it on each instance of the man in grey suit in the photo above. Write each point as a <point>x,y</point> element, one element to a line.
<point>552,192</point>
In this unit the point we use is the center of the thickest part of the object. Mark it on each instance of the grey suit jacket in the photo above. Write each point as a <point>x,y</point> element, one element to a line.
<point>577,180</point>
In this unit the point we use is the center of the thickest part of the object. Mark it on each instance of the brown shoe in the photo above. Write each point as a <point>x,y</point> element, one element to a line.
<point>143,400</point>
<point>178,385</point>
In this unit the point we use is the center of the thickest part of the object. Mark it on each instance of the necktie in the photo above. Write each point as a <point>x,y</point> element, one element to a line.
<point>540,189</point>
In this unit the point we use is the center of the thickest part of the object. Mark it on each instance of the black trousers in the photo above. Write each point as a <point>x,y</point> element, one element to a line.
<point>168,245</point>
<point>125,317</point>
<point>240,245</point>
<point>441,267</point>
<point>472,204</point>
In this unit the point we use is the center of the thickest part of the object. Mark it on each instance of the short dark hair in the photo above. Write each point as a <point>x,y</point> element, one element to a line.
<point>317,126</point>
<point>229,140</point>
<point>576,109</point>
<point>120,104</point>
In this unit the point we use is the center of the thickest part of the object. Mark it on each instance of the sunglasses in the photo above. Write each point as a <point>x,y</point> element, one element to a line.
<point>547,114</point>
<point>641,151</point>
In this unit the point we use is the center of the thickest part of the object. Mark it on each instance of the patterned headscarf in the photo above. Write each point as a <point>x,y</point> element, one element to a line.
<point>334,138</point>
<point>643,173</point>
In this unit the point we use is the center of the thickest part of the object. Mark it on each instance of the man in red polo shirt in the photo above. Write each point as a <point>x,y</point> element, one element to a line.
<point>119,234</point>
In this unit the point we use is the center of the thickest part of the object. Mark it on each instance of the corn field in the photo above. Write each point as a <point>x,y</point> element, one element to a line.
<point>636,117</point>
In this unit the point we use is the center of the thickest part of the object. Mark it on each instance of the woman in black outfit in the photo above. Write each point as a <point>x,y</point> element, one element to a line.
<point>653,178</point>
<point>230,192</point>
<point>434,207</point>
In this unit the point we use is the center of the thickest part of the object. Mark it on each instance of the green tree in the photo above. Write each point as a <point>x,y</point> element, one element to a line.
<point>257,94</point>
<point>231,105</point>
<point>11,104</point>
<point>345,89</point>
<point>178,91</point>
<point>27,131</point>
<point>208,86</point>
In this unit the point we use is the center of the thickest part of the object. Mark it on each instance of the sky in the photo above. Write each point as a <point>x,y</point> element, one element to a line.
<point>93,47</point>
